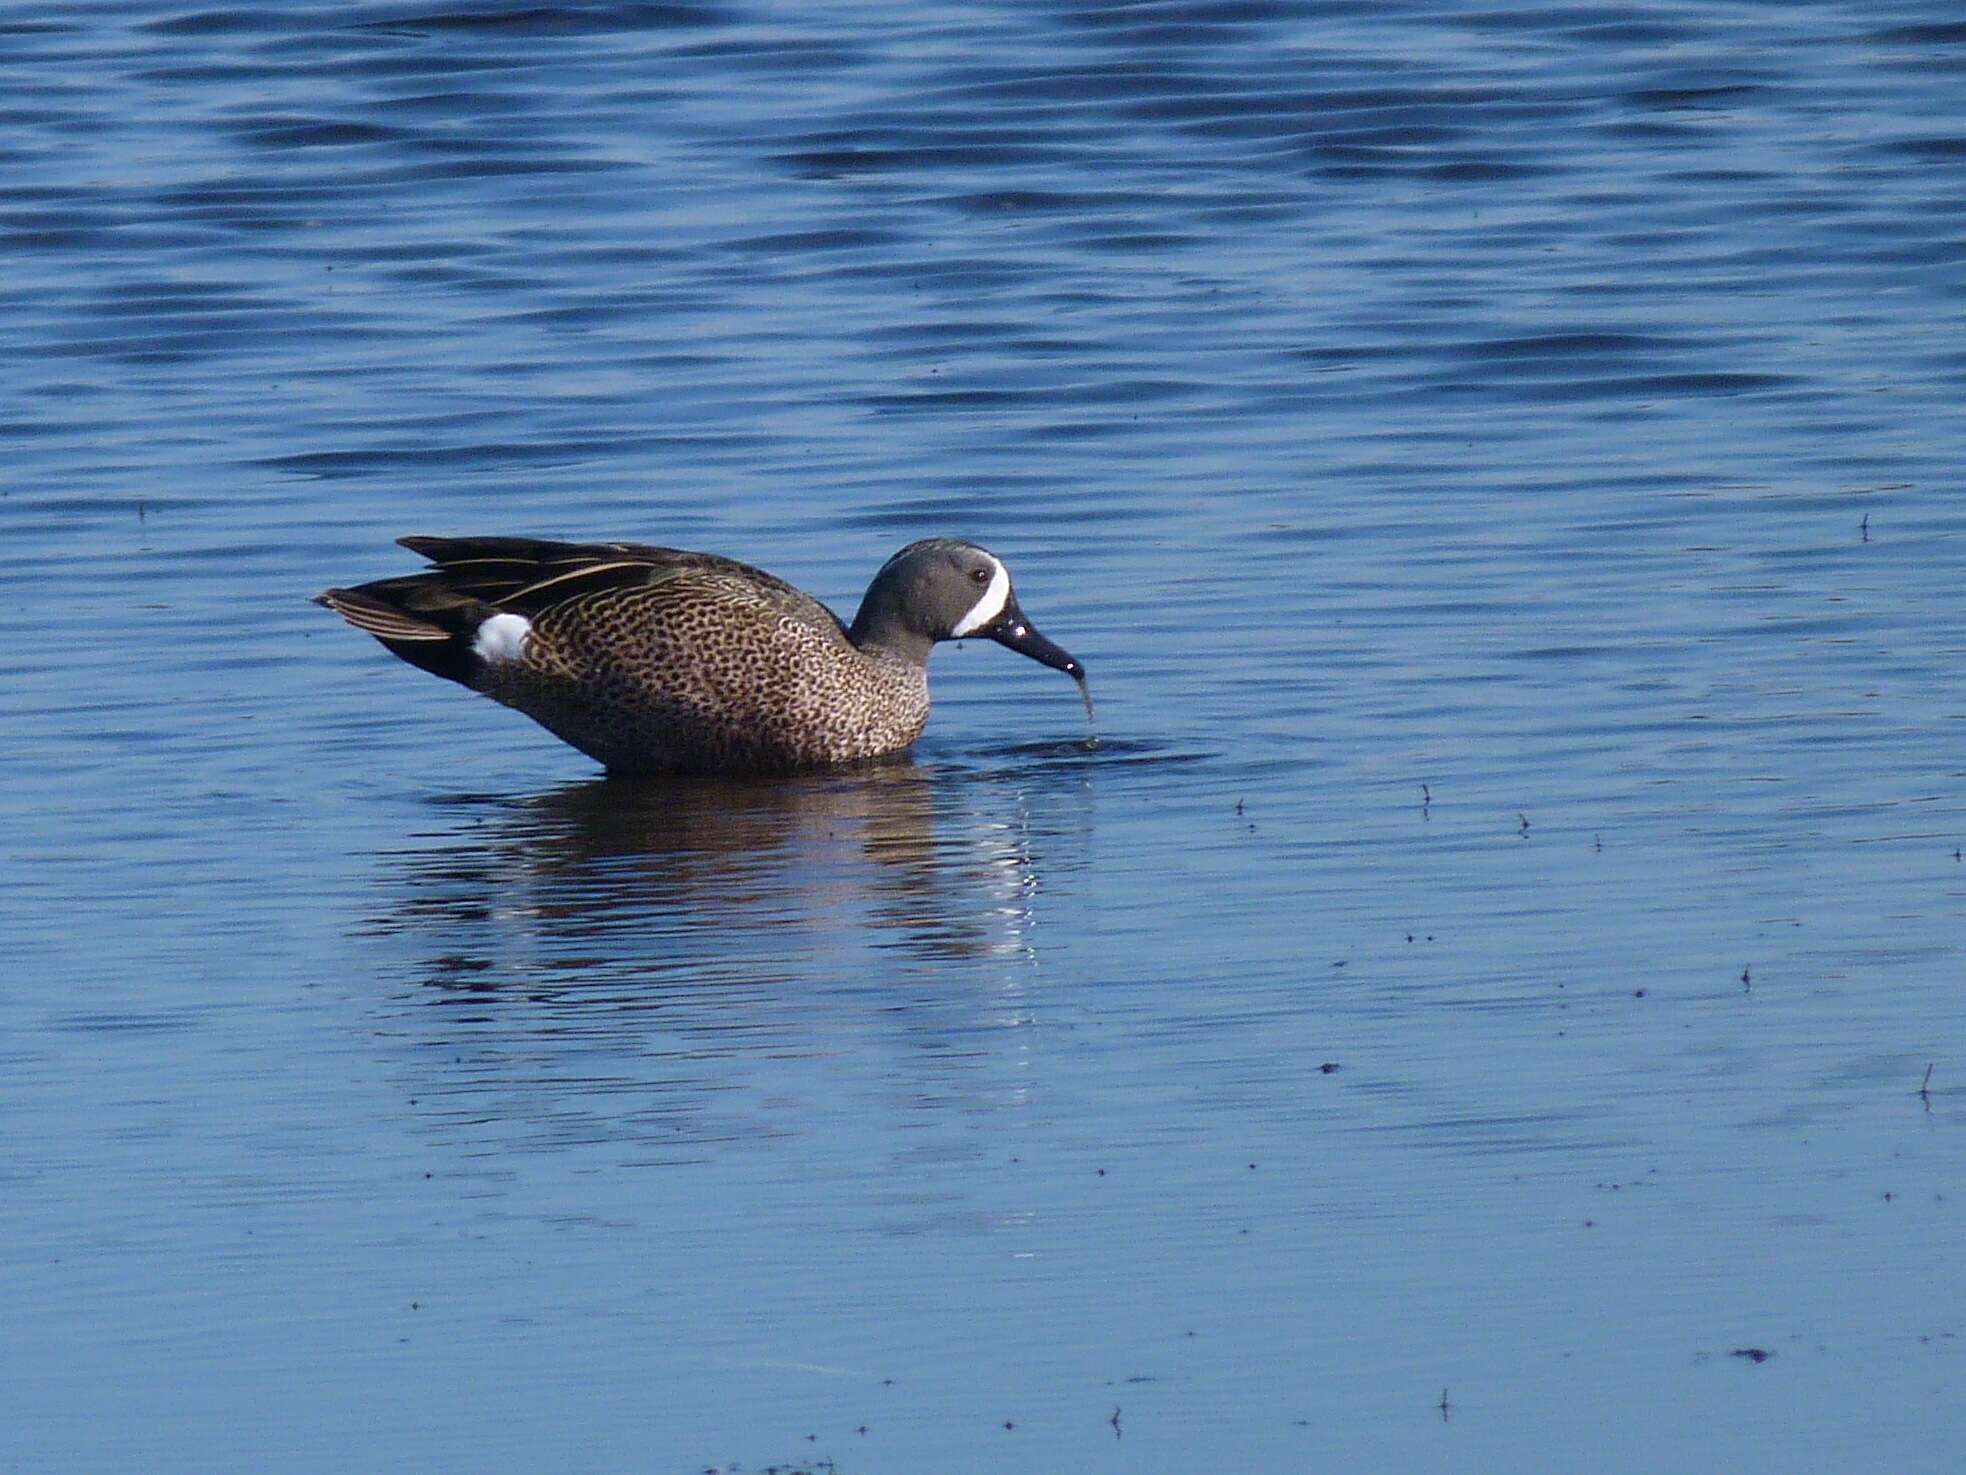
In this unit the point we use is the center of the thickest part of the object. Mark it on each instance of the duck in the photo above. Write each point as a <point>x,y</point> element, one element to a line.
<point>655,660</point>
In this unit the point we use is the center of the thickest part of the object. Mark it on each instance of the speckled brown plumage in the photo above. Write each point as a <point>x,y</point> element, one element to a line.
<point>706,671</point>
<point>660,660</point>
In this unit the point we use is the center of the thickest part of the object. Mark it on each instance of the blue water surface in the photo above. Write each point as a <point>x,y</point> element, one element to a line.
<point>1491,1001</point>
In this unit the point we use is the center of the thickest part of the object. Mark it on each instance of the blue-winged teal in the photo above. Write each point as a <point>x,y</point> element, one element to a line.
<point>654,660</point>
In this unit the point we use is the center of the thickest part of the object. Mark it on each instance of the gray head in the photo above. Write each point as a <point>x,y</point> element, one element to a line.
<point>943,589</point>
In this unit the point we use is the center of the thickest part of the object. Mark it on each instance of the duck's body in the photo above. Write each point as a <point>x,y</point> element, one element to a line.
<point>656,660</point>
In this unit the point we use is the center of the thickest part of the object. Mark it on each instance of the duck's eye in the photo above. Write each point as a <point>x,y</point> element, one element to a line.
<point>979,576</point>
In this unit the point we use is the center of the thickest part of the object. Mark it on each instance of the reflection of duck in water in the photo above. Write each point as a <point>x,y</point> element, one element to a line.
<point>693,964</point>
<point>596,872</point>
<point>655,660</point>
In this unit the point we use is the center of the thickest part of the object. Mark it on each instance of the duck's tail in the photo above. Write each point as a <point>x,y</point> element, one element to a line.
<point>418,619</point>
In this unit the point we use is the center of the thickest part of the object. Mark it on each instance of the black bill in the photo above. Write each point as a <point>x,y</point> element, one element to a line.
<point>1011,629</point>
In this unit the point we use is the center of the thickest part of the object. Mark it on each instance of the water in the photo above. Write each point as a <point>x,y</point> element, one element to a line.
<point>1499,468</point>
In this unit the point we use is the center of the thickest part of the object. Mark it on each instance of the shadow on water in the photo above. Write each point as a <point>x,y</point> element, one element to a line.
<point>673,880</point>
<point>649,961</point>
<point>693,883</point>
<point>1085,756</point>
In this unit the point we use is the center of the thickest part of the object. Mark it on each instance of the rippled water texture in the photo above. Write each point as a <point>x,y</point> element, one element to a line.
<point>1500,468</point>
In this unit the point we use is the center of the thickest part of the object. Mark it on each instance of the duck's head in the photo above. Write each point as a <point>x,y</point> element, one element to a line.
<point>944,589</point>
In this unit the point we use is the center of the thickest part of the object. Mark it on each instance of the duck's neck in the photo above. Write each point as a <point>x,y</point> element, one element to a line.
<point>878,629</point>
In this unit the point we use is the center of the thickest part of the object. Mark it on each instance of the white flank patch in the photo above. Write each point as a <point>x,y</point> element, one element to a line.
<point>502,637</point>
<point>988,607</point>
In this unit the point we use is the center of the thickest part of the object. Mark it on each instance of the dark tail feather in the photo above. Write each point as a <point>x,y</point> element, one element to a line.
<point>416,619</point>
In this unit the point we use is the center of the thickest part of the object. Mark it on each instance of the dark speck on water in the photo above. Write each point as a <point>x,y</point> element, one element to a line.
<point>1474,391</point>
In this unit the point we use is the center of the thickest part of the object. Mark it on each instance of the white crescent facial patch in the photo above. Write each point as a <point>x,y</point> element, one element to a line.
<point>989,606</point>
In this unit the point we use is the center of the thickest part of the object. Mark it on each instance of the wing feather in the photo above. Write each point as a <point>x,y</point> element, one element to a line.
<point>530,576</point>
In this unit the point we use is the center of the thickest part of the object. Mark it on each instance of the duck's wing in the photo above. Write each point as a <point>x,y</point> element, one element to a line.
<point>529,576</point>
